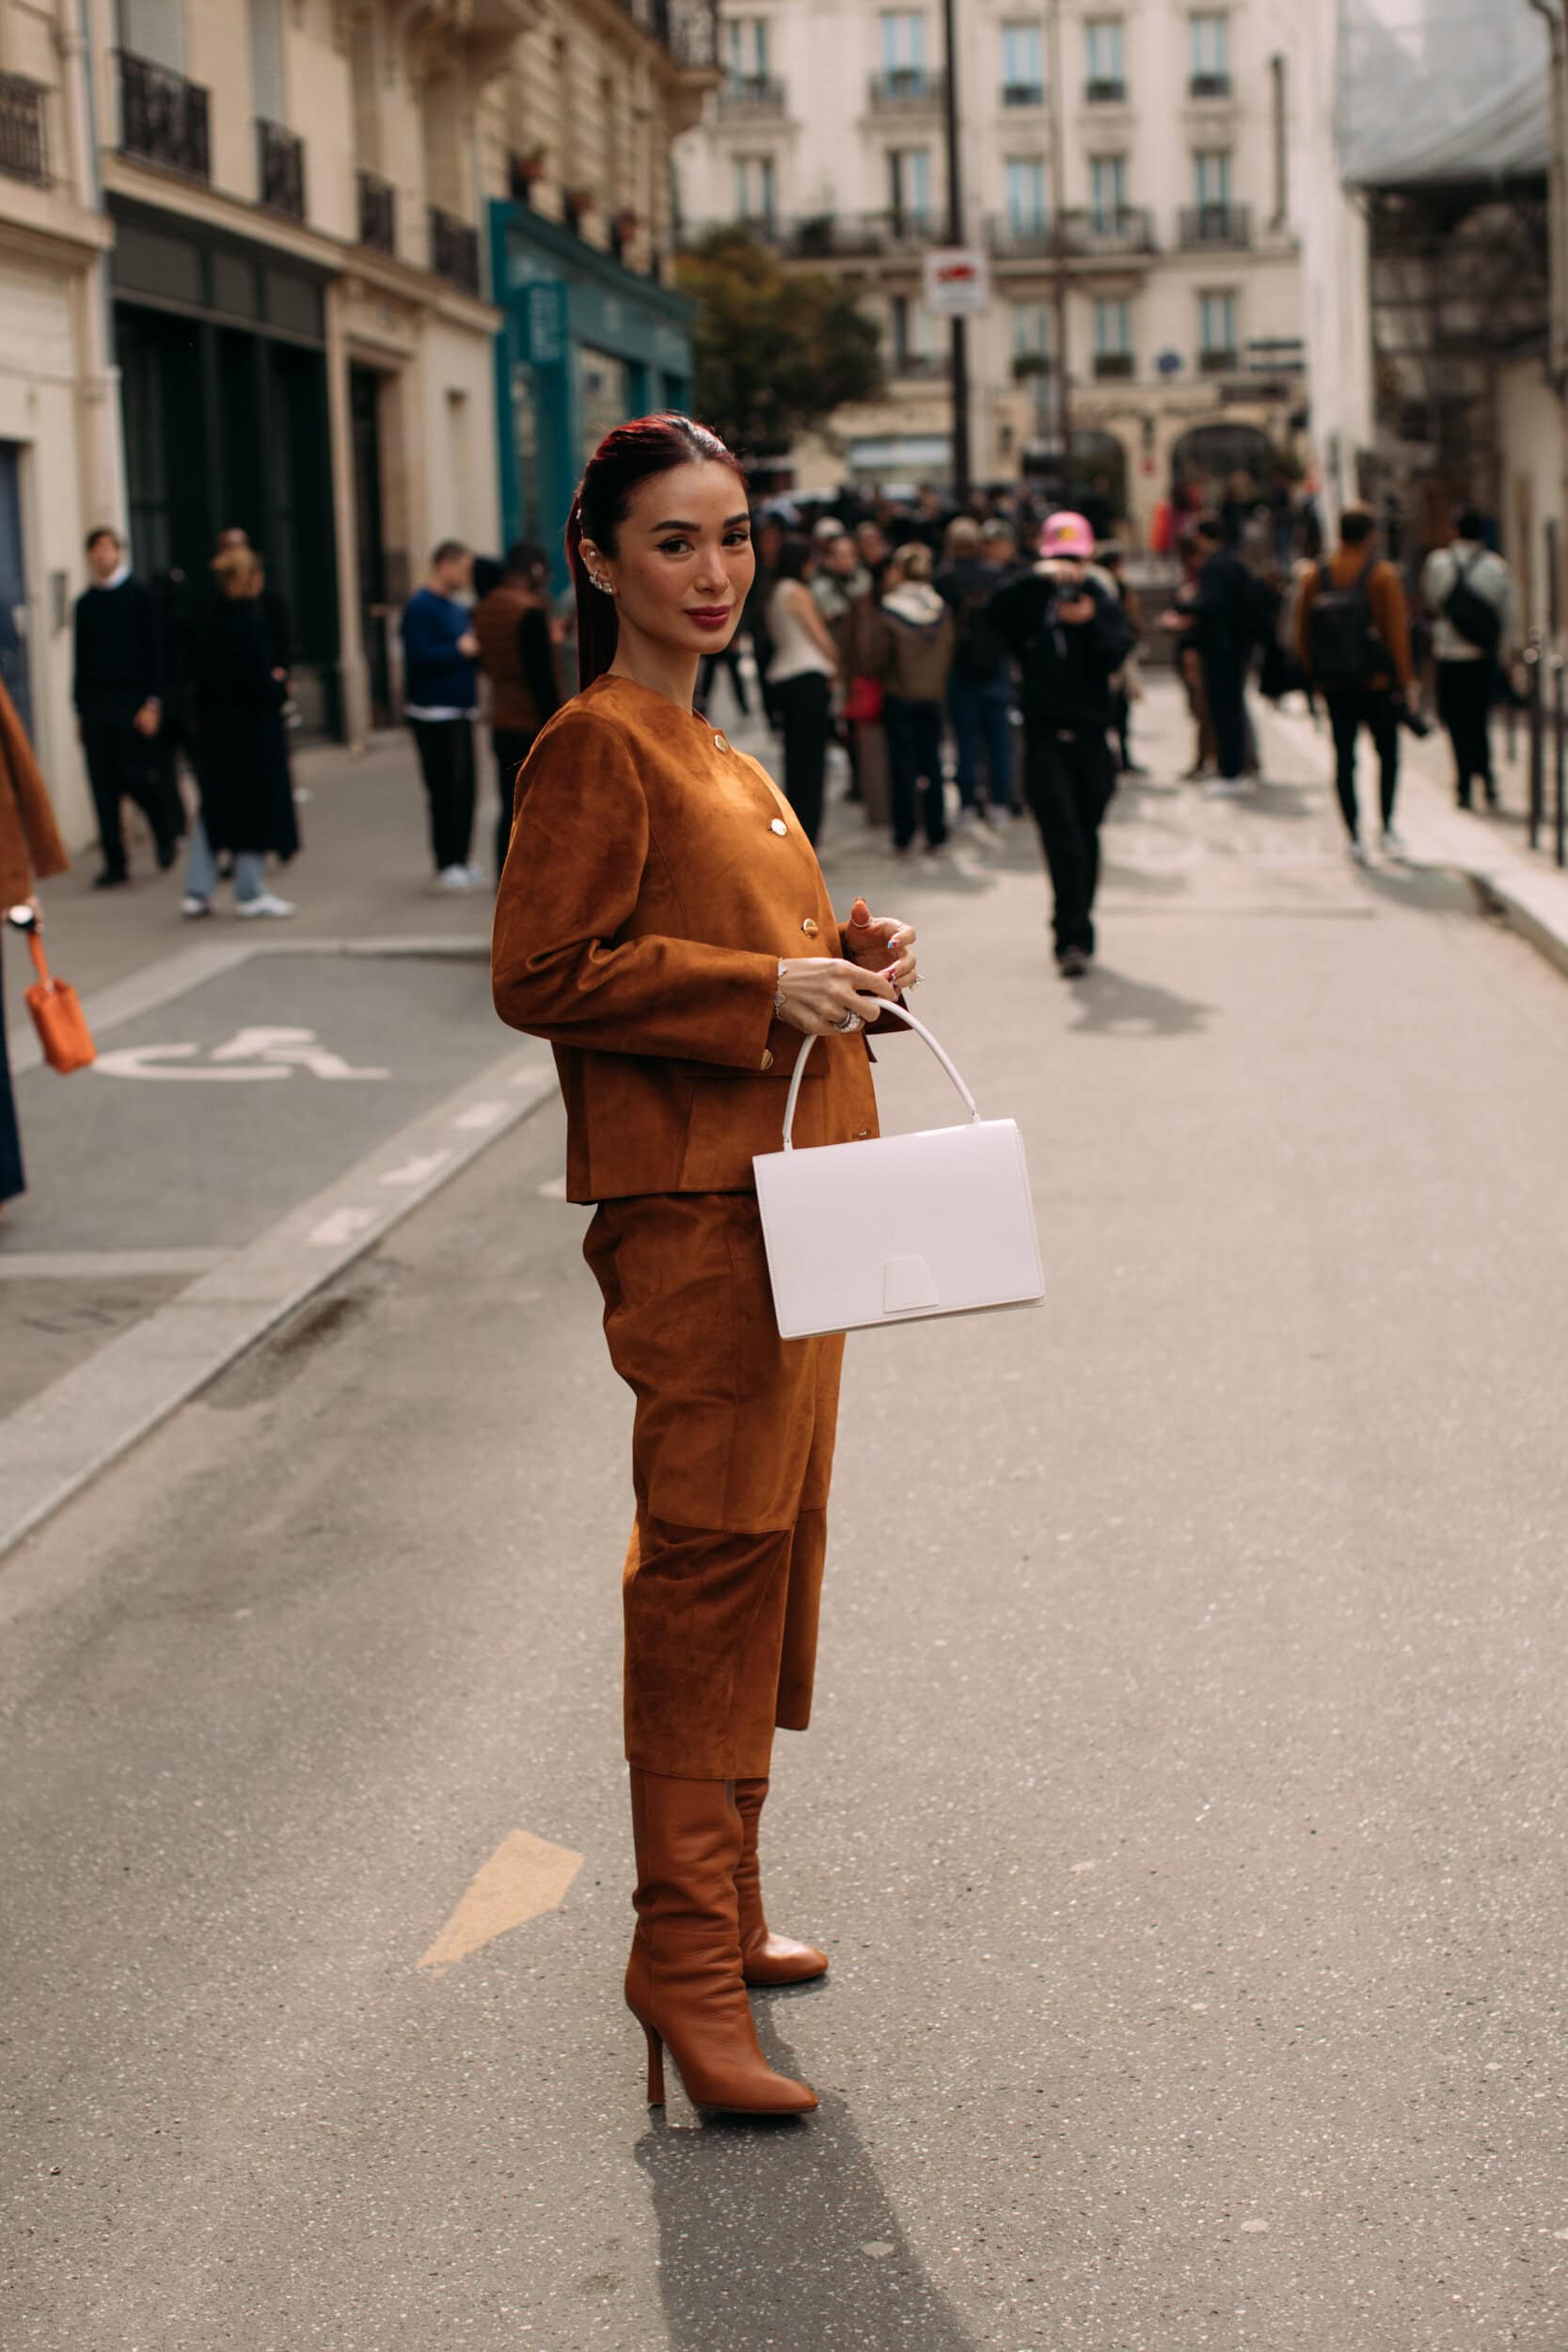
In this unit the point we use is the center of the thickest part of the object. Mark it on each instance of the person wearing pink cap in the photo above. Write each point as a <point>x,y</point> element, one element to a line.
<point>1069,638</point>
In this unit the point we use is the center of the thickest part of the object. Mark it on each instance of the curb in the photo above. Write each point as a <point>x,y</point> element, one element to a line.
<point>58,1441</point>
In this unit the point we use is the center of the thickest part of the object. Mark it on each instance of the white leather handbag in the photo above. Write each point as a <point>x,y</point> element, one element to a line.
<point>899,1226</point>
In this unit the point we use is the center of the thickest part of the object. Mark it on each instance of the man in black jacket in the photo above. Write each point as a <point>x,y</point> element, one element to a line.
<point>118,690</point>
<point>1226,623</point>
<point>1069,638</point>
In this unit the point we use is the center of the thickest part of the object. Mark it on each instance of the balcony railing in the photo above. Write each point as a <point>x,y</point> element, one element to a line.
<point>280,170</point>
<point>1105,90</point>
<point>1086,236</point>
<point>1212,226</point>
<point>851,234</point>
<point>1023,93</point>
<point>378,213</point>
<point>752,98</point>
<point>453,249</point>
<point>24,146</point>
<point>686,29</point>
<point>163,117</point>
<point>919,367</point>
<point>1114,366</point>
<point>1218,361</point>
<point>1209,85</point>
<point>908,90</point>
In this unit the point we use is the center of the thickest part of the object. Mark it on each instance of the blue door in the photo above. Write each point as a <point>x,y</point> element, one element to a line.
<point>14,668</point>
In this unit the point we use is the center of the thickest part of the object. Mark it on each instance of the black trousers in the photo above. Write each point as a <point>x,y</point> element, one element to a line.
<point>1348,713</point>
<point>446,750</point>
<point>914,758</point>
<point>1225,669</point>
<point>729,660</point>
<point>512,746</point>
<point>802,704</point>
<point>1070,779</point>
<point>121,766</point>
<point>1464,706</point>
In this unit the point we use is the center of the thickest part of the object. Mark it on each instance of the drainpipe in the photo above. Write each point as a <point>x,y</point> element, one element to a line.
<point>1557,361</point>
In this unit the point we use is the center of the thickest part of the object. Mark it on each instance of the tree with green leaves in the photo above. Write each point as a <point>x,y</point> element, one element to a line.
<point>776,351</point>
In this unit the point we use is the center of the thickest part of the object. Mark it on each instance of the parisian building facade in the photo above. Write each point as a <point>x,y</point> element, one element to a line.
<point>270,264</point>
<point>1130,170</point>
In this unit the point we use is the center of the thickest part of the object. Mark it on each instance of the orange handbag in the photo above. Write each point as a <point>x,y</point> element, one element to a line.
<point>57,1016</point>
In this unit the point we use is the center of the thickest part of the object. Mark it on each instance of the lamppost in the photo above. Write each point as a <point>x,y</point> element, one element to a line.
<point>958,328</point>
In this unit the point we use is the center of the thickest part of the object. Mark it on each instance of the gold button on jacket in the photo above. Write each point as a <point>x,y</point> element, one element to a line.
<point>651,888</point>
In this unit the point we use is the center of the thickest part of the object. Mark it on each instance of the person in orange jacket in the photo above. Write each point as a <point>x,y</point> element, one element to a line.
<point>663,922</point>
<point>30,850</point>
<point>1353,642</point>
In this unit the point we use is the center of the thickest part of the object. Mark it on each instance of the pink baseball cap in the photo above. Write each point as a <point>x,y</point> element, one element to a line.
<point>1068,534</point>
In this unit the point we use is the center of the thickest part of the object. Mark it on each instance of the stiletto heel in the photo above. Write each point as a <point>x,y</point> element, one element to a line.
<point>656,2068</point>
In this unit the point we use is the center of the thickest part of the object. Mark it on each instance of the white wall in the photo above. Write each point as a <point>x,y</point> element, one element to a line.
<point>1531,436</point>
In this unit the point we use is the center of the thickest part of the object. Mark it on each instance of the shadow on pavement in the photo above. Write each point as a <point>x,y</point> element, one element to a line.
<point>779,2232</point>
<point>1111,1004</point>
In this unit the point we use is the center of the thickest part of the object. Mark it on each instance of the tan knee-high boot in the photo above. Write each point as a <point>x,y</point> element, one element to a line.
<point>765,1958</point>
<point>683,1980</point>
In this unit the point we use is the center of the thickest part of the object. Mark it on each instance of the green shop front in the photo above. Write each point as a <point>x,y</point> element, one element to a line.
<point>586,343</point>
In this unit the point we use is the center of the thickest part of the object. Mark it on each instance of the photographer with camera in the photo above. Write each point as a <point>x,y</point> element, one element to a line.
<point>1353,642</point>
<point>1070,637</point>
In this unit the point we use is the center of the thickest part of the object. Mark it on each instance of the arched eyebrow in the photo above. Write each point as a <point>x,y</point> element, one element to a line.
<point>676,524</point>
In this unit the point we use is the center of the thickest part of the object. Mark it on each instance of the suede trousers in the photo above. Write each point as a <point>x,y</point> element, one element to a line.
<point>732,1456</point>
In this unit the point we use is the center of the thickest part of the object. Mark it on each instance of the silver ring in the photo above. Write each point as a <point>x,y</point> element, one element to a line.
<point>850,1023</point>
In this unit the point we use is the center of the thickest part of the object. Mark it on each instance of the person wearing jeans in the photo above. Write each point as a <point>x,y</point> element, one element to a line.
<point>440,701</point>
<point>800,673</point>
<point>1466,670</point>
<point>1380,624</point>
<point>912,645</point>
<point>980,689</point>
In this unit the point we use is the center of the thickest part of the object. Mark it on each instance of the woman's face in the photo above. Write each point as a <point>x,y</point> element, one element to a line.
<point>683,560</point>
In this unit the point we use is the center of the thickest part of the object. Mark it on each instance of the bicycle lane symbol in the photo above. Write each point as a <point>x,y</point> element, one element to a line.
<point>249,1054</point>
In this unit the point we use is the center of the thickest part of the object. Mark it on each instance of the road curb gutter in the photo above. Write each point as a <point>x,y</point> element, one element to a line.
<point>60,1440</point>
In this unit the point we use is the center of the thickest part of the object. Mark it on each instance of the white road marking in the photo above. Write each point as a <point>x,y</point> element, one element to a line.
<point>481,1115</point>
<point>249,1054</point>
<point>151,1061</point>
<point>341,1226</point>
<point>554,1190</point>
<point>415,1171</point>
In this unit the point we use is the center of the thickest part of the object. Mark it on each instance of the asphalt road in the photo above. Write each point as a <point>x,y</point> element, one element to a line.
<point>1185,1812</point>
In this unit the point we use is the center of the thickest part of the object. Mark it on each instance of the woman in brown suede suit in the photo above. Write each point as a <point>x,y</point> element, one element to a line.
<point>662,920</point>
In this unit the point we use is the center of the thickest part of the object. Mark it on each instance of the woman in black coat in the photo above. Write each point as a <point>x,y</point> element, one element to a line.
<point>242,758</point>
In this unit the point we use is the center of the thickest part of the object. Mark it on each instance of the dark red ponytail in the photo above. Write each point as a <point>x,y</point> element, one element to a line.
<point>629,455</point>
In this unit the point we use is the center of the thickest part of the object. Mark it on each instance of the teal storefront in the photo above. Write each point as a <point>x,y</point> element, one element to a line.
<point>585,344</point>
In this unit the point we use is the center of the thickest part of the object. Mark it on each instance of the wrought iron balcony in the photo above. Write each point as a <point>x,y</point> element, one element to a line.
<point>1105,90</point>
<point>752,98</point>
<point>1120,233</point>
<point>453,249</point>
<point>1023,93</point>
<point>851,235</point>
<point>1114,366</point>
<point>1209,85</point>
<point>163,117</point>
<point>378,213</point>
<point>908,90</point>
<point>1214,227</point>
<point>280,170</point>
<point>24,144</point>
<point>919,367</point>
<point>1218,362</point>
<point>688,30</point>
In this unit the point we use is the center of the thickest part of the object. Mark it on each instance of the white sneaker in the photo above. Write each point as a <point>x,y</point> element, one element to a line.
<point>454,878</point>
<point>1358,854</point>
<point>1226,789</point>
<point>191,907</point>
<point>475,874</point>
<point>265,905</point>
<point>1393,843</point>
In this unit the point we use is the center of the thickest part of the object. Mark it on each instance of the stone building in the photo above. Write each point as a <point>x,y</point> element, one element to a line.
<point>1139,157</point>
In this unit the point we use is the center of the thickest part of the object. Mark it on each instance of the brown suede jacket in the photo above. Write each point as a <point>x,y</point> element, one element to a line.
<point>30,845</point>
<point>654,879</point>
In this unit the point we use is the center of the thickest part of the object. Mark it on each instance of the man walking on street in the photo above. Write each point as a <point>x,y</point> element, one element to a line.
<point>1470,593</point>
<point>1225,623</point>
<point>1353,642</point>
<point>1069,638</point>
<point>516,654</point>
<point>118,690</point>
<point>980,690</point>
<point>440,701</point>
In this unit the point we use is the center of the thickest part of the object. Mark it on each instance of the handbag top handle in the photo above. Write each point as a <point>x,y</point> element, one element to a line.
<point>898,1013</point>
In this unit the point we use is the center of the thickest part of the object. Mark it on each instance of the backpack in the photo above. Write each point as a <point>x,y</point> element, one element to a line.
<point>980,655</point>
<point>1343,648</point>
<point>1465,609</point>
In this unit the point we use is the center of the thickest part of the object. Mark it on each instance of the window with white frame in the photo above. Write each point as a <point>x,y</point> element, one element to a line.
<point>1024,177</point>
<point>908,173</point>
<point>903,39</point>
<point>1031,330</point>
<point>746,48</point>
<point>1211,180</point>
<point>1104,65</point>
<point>1022,62</point>
<point>755,188</point>
<point>1216,329</point>
<point>1210,48</point>
<point>910,344</point>
<point>1112,330</point>
<point>1107,193</point>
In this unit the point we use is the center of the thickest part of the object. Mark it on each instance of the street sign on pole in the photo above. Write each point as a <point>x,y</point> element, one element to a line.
<point>957,283</point>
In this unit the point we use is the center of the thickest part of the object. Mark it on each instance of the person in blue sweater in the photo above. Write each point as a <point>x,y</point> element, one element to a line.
<point>440,702</point>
